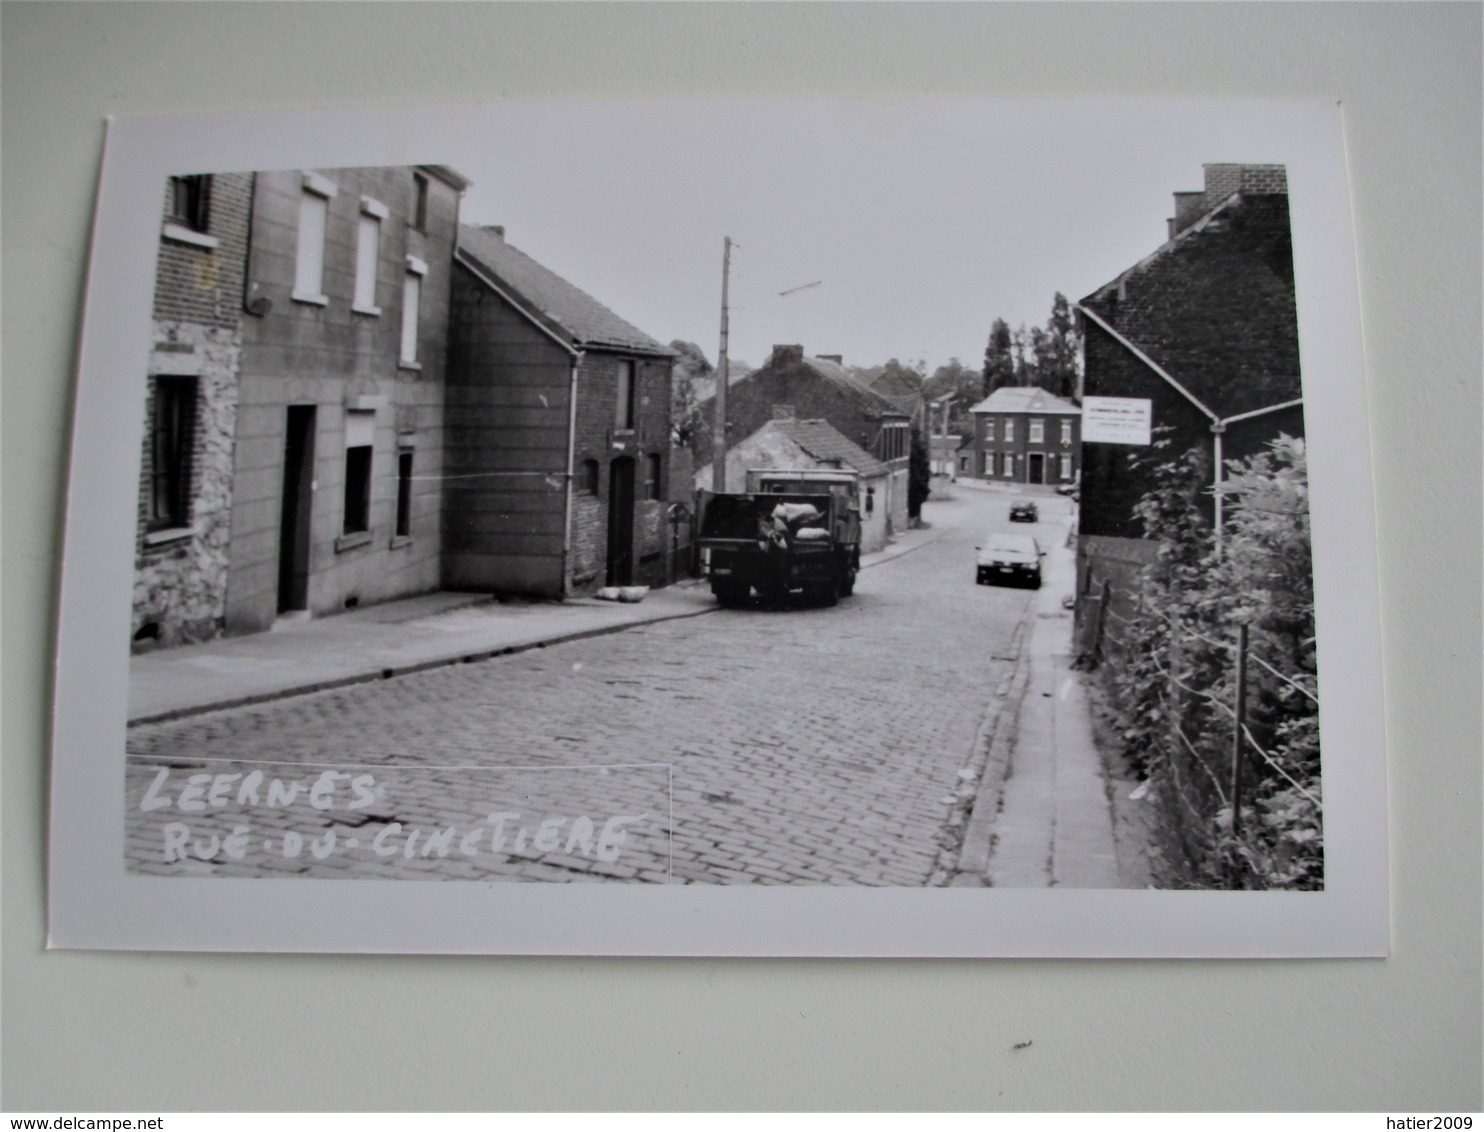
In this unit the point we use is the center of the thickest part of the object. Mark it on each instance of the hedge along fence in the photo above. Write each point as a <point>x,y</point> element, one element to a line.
<point>1210,666</point>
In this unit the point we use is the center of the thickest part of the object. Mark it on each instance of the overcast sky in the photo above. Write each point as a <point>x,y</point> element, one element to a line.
<point>922,221</point>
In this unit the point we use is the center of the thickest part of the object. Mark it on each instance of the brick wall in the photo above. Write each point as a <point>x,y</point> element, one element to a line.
<point>598,439</point>
<point>1217,312</point>
<point>205,285</point>
<point>752,402</point>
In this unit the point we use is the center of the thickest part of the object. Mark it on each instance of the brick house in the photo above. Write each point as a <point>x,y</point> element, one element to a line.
<point>294,412</point>
<point>1024,434</point>
<point>339,434</point>
<point>181,549</point>
<point>559,433</point>
<point>812,445</point>
<point>1205,329</point>
<point>792,385</point>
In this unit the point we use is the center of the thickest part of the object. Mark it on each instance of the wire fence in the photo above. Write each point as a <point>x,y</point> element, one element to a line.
<point>1227,735</point>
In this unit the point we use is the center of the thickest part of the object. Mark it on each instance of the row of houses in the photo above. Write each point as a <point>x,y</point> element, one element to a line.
<point>353,397</point>
<point>1202,334</point>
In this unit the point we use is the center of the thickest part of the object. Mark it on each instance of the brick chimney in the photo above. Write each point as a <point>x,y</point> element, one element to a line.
<point>785,356</point>
<point>1222,180</point>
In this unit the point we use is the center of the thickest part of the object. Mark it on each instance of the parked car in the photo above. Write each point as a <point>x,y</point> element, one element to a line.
<point>1023,511</point>
<point>1009,558</point>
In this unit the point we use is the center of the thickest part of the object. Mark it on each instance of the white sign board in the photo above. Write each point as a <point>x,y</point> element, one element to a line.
<point>1116,420</point>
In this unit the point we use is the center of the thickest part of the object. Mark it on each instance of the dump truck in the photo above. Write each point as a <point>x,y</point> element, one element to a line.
<point>789,537</point>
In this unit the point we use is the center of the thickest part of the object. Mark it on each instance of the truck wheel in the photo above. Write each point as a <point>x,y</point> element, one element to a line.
<point>828,593</point>
<point>730,594</point>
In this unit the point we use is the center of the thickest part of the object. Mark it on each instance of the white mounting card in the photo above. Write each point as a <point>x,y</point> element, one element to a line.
<point>836,822</point>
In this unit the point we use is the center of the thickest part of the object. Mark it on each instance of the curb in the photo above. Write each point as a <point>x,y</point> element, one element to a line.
<point>393,672</point>
<point>996,739</point>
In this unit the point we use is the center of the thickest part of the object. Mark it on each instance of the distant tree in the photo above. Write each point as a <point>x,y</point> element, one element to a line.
<point>1060,352</point>
<point>954,379</point>
<point>999,360</point>
<point>919,474</point>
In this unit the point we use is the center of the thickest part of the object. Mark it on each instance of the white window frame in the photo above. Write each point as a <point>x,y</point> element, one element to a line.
<point>309,256</point>
<point>368,255</point>
<point>1037,431</point>
<point>411,310</point>
<point>1066,430</point>
<point>1007,469</point>
<point>988,428</point>
<point>1066,467</point>
<point>1009,428</point>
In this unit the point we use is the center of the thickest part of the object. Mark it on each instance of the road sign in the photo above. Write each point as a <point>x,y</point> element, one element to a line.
<point>1116,420</point>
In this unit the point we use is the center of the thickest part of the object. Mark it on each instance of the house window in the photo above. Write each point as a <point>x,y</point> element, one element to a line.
<point>1038,431</point>
<point>368,252</point>
<point>989,458</point>
<point>189,202</point>
<point>172,444</point>
<point>988,428</point>
<point>412,290</point>
<point>624,414</point>
<point>588,483</point>
<point>357,489</point>
<point>1066,467</point>
<point>309,262</point>
<point>1066,430</point>
<point>1008,468</point>
<point>404,493</point>
<point>652,476</point>
<point>360,429</point>
<point>870,500</point>
<point>963,463</point>
<point>1009,428</point>
<point>420,202</point>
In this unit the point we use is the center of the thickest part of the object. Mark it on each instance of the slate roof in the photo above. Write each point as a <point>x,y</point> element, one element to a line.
<point>1025,399</point>
<point>567,311</point>
<point>841,377</point>
<point>825,443</point>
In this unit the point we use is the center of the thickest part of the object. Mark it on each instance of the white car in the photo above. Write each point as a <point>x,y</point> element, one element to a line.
<point>1009,558</point>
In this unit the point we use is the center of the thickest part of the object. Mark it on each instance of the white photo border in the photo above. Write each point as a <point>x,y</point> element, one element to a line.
<point>95,903</point>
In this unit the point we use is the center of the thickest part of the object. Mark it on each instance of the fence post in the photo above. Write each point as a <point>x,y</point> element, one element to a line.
<point>1097,640</point>
<point>1239,709</point>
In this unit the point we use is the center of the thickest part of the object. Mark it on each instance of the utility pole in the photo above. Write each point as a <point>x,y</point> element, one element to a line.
<point>719,424</point>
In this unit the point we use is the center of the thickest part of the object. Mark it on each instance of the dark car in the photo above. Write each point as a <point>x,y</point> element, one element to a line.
<point>1009,558</point>
<point>1023,511</point>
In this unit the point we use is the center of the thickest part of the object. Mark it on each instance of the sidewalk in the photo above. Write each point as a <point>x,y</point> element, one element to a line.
<point>1042,817</point>
<point>395,638</point>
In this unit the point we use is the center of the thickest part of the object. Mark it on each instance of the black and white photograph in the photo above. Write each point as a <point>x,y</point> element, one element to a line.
<point>911,514</point>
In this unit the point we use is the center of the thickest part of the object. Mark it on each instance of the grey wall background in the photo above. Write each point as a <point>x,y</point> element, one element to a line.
<point>182,1032</point>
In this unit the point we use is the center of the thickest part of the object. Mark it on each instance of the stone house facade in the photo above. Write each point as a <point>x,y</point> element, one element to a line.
<point>559,433</point>
<point>181,550</point>
<point>792,385</point>
<point>1023,434</point>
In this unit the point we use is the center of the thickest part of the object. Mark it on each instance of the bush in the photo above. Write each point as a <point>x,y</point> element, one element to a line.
<point>1174,680</point>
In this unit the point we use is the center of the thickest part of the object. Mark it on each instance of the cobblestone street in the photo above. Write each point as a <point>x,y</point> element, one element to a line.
<point>806,745</point>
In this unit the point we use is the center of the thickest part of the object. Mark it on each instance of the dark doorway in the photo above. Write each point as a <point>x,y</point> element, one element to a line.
<point>1036,473</point>
<point>621,522</point>
<point>293,531</point>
